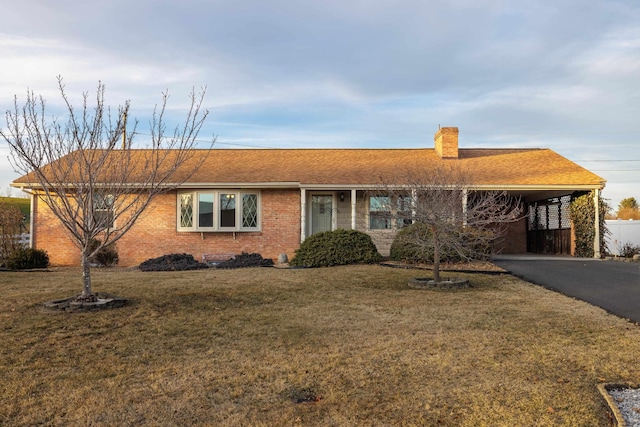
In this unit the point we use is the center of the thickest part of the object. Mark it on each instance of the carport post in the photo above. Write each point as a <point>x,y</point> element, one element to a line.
<point>596,238</point>
<point>353,209</point>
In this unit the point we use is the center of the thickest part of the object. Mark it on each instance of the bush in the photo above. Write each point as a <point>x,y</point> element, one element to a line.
<point>107,256</point>
<point>25,258</point>
<point>414,244</point>
<point>11,225</point>
<point>338,247</point>
<point>172,262</point>
<point>628,250</point>
<point>582,210</point>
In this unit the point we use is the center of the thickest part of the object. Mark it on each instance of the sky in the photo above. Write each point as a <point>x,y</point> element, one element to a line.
<point>558,74</point>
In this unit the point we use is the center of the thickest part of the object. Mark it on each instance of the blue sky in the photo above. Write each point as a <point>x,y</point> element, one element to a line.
<point>560,74</point>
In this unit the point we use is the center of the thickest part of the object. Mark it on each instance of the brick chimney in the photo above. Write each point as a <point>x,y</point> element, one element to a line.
<point>446,140</point>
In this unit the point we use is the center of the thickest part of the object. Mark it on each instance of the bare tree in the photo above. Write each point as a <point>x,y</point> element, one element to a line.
<point>11,225</point>
<point>450,213</point>
<point>86,172</point>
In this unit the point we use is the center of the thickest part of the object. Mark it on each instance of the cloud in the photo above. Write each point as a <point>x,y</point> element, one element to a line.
<point>617,55</point>
<point>35,63</point>
<point>558,74</point>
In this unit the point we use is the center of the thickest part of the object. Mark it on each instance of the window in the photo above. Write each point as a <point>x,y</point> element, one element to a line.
<point>405,211</point>
<point>386,212</point>
<point>249,210</point>
<point>218,211</point>
<point>205,210</point>
<point>186,210</point>
<point>379,212</point>
<point>227,210</point>
<point>103,211</point>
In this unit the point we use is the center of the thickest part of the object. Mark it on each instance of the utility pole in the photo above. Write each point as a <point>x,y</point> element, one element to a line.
<point>124,132</point>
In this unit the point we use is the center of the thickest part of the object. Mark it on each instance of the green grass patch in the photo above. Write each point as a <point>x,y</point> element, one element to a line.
<point>349,345</point>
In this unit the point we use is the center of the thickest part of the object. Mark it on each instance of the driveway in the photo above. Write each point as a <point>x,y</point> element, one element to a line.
<point>611,285</point>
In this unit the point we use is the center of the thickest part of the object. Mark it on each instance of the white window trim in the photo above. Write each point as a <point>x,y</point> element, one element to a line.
<point>394,219</point>
<point>369,213</point>
<point>216,211</point>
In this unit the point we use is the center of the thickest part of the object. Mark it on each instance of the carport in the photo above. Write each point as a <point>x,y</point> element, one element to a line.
<point>549,230</point>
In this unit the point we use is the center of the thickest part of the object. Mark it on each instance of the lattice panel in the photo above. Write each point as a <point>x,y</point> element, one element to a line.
<point>186,210</point>
<point>550,214</point>
<point>249,210</point>
<point>553,217</point>
<point>565,220</point>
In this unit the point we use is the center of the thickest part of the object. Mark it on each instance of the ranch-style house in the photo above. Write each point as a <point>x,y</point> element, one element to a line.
<point>268,201</point>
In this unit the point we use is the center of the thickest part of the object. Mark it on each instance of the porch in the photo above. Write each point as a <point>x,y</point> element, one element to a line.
<point>544,229</point>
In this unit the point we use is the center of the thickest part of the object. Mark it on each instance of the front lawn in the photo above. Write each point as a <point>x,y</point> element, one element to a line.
<point>333,346</point>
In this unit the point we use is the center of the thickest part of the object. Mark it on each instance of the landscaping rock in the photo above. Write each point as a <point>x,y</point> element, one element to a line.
<point>101,301</point>
<point>427,283</point>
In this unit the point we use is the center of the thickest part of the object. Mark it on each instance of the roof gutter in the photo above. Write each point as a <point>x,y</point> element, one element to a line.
<point>28,187</point>
<point>510,187</point>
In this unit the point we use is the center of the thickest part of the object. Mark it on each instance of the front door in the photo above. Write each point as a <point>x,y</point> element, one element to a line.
<point>321,213</point>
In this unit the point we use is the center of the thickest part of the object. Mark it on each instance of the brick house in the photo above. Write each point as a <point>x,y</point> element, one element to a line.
<point>268,201</point>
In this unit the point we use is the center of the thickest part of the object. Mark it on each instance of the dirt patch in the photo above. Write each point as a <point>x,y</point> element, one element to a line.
<point>303,394</point>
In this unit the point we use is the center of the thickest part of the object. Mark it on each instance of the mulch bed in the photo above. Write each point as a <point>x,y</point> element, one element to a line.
<point>183,262</point>
<point>172,262</point>
<point>245,260</point>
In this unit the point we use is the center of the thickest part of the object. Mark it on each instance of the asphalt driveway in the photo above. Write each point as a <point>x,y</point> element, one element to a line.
<point>611,285</point>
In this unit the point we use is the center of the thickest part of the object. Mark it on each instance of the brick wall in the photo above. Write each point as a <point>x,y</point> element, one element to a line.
<point>155,234</point>
<point>515,239</point>
<point>47,233</point>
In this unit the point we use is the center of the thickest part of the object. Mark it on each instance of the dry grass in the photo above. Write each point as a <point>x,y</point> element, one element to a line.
<point>335,346</point>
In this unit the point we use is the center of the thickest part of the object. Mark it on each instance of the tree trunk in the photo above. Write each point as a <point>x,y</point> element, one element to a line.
<point>436,256</point>
<point>87,292</point>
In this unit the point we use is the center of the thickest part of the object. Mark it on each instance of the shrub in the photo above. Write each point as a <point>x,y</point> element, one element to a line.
<point>582,211</point>
<point>11,225</point>
<point>414,244</point>
<point>338,247</point>
<point>25,258</point>
<point>628,250</point>
<point>107,256</point>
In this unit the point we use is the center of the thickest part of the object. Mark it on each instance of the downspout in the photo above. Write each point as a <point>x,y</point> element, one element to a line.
<point>596,238</point>
<point>32,219</point>
<point>303,214</point>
